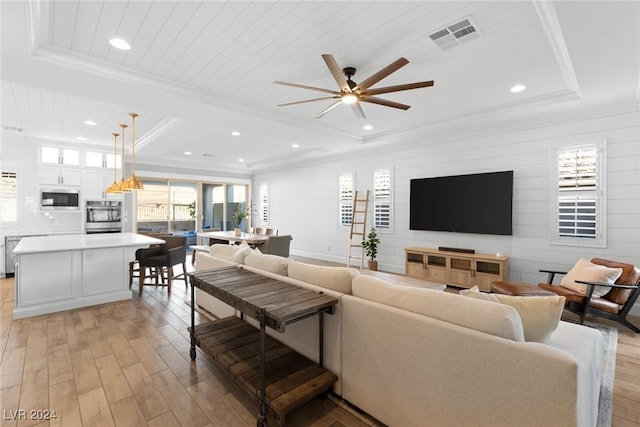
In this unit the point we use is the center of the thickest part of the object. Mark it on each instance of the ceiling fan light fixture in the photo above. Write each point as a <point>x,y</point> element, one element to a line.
<point>349,98</point>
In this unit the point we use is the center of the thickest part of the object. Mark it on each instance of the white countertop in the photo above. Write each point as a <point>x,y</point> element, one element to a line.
<point>71,242</point>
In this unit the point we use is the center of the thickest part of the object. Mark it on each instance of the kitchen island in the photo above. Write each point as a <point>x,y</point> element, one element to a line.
<point>62,272</point>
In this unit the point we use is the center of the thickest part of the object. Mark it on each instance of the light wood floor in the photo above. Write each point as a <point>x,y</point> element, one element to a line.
<point>127,363</point>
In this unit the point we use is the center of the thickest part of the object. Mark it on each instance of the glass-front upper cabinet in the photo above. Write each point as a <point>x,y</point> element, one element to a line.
<point>99,159</point>
<point>59,156</point>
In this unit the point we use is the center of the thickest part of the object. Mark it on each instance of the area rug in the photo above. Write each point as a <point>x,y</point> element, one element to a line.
<point>610,338</point>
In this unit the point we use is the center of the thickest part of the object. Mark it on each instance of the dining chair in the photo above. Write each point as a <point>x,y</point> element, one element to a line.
<point>271,232</point>
<point>258,230</point>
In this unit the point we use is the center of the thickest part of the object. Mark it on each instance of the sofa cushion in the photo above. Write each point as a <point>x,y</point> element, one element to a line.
<point>273,263</point>
<point>540,315</point>
<point>590,272</point>
<point>484,316</point>
<point>222,251</point>
<point>334,278</point>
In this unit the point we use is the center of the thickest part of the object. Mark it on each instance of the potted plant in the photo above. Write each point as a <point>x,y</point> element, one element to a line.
<point>238,215</point>
<point>370,245</point>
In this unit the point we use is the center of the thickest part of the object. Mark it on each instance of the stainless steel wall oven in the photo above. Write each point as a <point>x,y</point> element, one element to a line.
<point>103,216</point>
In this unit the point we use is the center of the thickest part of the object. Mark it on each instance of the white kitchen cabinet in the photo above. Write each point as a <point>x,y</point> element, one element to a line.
<point>95,183</point>
<point>102,160</point>
<point>59,155</point>
<point>60,176</point>
<point>48,278</point>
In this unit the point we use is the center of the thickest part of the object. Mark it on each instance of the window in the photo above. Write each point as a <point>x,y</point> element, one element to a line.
<point>345,201</point>
<point>264,204</point>
<point>579,211</point>
<point>166,206</point>
<point>382,199</point>
<point>9,198</point>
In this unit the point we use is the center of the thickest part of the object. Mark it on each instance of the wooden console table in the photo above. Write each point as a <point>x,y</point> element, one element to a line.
<point>287,380</point>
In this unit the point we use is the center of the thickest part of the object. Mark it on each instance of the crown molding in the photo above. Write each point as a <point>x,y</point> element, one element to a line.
<point>549,20</point>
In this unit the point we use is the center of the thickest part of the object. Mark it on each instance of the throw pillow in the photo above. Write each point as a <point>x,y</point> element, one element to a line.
<point>540,315</point>
<point>590,272</point>
<point>241,252</point>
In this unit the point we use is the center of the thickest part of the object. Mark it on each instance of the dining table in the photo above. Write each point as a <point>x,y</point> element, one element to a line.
<point>231,236</point>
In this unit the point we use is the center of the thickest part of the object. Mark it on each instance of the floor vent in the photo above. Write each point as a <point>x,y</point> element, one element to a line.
<point>455,34</point>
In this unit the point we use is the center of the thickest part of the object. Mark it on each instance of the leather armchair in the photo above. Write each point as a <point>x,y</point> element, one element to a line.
<point>614,305</point>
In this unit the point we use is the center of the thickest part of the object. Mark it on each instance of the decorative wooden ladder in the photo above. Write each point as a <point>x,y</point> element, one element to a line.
<point>358,226</point>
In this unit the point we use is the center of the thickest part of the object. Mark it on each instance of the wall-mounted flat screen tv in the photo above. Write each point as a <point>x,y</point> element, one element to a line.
<point>477,203</point>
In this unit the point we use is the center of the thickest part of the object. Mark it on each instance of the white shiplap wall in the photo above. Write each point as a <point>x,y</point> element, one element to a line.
<point>304,200</point>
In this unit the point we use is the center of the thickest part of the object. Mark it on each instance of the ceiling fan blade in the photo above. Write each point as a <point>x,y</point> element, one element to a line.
<point>329,108</point>
<point>397,88</point>
<point>357,108</point>
<point>375,78</point>
<point>319,89</point>
<point>337,73</point>
<point>307,100</point>
<point>384,102</point>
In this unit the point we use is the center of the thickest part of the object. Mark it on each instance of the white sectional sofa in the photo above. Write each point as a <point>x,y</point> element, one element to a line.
<point>420,357</point>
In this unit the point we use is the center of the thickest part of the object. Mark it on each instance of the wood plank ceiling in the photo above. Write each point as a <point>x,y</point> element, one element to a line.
<point>199,69</point>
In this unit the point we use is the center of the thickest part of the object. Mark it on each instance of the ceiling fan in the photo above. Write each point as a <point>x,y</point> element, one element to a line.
<point>352,93</point>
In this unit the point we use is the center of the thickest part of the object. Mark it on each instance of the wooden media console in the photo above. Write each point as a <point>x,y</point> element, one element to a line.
<point>462,270</point>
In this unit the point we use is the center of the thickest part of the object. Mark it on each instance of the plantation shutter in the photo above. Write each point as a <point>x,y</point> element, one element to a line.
<point>345,202</point>
<point>577,192</point>
<point>264,203</point>
<point>9,197</point>
<point>382,199</point>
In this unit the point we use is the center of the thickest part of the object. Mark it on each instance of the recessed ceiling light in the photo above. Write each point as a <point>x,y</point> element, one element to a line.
<point>241,160</point>
<point>90,123</point>
<point>518,88</point>
<point>81,138</point>
<point>235,133</point>
<point>367,127</point>
<point>119,44</point>
<point>188,153</point>
<point>295,145</point>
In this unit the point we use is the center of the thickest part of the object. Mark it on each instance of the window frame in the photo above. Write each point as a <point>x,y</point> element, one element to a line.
<point>343,201</point>
<point>7,168</point>
<point>263,197</point>
<point>599,193</point>
<point>388,199</point>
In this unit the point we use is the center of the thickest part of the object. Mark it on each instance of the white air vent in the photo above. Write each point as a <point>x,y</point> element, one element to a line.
<point>455,34</point>
<point>13,129</point>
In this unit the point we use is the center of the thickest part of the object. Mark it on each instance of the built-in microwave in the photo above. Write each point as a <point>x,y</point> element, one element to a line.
<point>60,199</point>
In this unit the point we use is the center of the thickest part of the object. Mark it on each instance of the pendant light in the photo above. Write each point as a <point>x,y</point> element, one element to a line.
<point>122,185</point>
<point>133,183</point>
<point>111,189</point>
